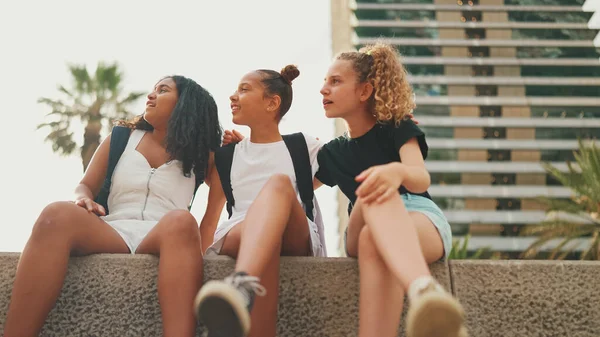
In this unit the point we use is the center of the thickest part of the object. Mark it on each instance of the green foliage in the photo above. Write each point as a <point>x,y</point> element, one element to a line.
<point>575,218</point>
<point>460,251</point>
<point>95,100</point>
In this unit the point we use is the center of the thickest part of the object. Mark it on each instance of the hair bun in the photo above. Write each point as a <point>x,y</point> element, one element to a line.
<point>289,73</point>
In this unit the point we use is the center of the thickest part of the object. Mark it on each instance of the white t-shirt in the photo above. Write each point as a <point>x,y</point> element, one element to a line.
<point>253,164</point>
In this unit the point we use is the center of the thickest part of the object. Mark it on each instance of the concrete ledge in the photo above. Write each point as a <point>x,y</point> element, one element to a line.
<point>115,295</point>
<point>529,298</point>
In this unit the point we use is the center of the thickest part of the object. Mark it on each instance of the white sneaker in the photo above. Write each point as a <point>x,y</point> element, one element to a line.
<point>433,312</point>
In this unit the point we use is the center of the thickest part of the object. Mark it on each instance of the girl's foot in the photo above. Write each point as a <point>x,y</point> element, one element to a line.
<point>433,312</point>
<point>224,306</point>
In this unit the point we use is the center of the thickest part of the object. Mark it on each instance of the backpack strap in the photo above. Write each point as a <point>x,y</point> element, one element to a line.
<point>198,183</point>
<point>118,141</point>
<point>296,144</point>
<point>223,162</point>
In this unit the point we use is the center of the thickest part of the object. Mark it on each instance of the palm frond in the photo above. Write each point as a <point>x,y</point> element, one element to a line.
<point>562,249</point>
<point>64,90</point>
<point>591,253</point>
<point>131,98</point>
<point>81,79</point>
<point>569,206</point>
<point>93,98</point>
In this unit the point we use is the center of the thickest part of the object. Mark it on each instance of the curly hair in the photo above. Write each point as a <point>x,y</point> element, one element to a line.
<point>379,64</point>
<point>193,129</point>
<point>280,84</point>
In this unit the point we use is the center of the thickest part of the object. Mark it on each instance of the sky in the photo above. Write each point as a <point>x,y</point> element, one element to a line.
<point>213,42</point>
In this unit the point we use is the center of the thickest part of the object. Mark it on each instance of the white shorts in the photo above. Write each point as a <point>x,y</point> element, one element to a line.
<point>133,232</point>
<point>221,232</point>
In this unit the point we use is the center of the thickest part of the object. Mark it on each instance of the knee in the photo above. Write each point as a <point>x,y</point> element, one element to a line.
<point>55,220</point>
<point>281,184</point>
<point>180,226</point>
<point>366,246</point>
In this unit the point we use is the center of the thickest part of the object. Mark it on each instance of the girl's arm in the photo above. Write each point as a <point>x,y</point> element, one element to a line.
<point>379,183</point>
<point>214,206</point>
<point>316,183</point>
<point>93,178</point>
<point>415,176</point>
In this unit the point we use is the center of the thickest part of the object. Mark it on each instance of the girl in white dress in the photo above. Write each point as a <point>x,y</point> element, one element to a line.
<point>267,219</point>
<point>170,147</point>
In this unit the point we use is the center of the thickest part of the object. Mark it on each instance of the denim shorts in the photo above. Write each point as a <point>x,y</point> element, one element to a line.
<point>417,203</point>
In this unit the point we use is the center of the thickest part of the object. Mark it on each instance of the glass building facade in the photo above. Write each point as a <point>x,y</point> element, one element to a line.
<point>501,85</point>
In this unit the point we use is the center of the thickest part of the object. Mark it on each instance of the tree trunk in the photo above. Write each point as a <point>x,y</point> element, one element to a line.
<point>91,141</point>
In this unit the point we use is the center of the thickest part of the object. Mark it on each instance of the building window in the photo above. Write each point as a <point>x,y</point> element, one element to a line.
<point>442,178</point>
<point>482,71</point>
<point>494,133</point>
<point>442,154</point>
<point>486,90</point>
<point>474,33</point>
<point>432,110</point>
<point>564,91</point>
<point>418,50</point>
<point>438,131</point>
<point>471,16</point>
<point>420,69</point>
<point>511,230</point>
<point>567,133</point>
<point>557,155</point>
<point>504,178</point>
<point>565,112</point>
<point>527,16</point>
<point>490,111</point>
<point>498,155</point>
<point>557,52</point>
<point>551,181</point>
<point>560,71</point>
<point>479,52</point>
<point>508,204</point>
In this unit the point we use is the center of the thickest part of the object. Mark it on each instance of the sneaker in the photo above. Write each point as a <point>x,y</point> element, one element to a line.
<point>224,306</point>
<point>433,312</point>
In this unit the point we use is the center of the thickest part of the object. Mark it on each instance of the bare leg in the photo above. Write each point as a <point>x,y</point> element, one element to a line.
<point>275,216</point>
<point>398,241</point>
<point>257,243</point>
<point>264,312</point>
<point>176,240</point>
<point>62,228</point>
<point>378,284</point>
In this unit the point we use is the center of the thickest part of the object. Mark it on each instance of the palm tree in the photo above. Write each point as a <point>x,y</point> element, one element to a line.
<point>95,100</point>
<point>573,218</point>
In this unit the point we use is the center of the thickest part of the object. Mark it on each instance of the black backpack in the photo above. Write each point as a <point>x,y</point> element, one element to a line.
<point>296,145</point>
<point>118,142</point>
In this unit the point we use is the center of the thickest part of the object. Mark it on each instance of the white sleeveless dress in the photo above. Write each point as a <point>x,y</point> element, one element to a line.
<point>141,195</point>
<point>252,166</point>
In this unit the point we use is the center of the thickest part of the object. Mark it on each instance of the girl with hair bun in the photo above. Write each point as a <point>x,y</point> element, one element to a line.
<point>395,229</point>
<point>267,218</point>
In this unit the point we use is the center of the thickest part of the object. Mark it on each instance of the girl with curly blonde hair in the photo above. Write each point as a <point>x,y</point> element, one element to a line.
<point>395,229</point>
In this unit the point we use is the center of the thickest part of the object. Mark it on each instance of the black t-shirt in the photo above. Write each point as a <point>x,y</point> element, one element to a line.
<point>343,158</point>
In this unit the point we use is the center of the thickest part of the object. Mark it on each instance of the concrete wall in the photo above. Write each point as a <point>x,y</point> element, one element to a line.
<point>115,295</point>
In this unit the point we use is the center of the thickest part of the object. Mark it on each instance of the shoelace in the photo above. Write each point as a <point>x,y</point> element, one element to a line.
<point>423,285</point>
<point>247,283</point>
